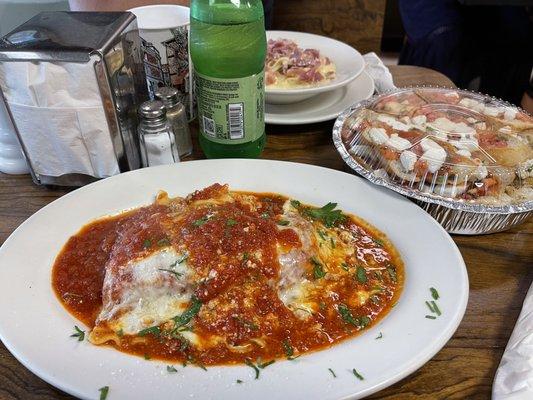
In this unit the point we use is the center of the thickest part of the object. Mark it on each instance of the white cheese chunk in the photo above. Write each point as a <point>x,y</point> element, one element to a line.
<point>480,172</point>
<point>434,157</point>
<point>393,122</point>
<point>428,144</point>
<point>472,104</point>
<point>492,111</point>
<point>465,144</point>
<point>398,143</point>
<point>378,135</point>
<point>464,153</point>
<point>419,120</point>
<point>525,169</point>
<point>444,124</point>
<point>509,114</point>
<point>408,160</point>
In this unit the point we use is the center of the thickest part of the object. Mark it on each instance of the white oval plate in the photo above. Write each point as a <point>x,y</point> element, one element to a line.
<point>348,61</point>
<point>323,106</point>
<point>36,328</point>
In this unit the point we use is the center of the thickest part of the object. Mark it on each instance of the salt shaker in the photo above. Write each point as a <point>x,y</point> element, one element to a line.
<point>158,144</point>
<point>177,118</point>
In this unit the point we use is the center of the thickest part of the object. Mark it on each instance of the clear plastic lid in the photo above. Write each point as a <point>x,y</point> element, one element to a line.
<point>442,145</point>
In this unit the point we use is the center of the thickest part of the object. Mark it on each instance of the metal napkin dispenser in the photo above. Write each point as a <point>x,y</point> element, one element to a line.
<point>72,83</point>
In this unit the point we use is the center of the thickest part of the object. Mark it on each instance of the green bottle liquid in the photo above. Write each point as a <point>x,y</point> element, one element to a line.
<point>228,49</point>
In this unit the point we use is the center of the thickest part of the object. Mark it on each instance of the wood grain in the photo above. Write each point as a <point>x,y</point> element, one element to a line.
<point>500,268</point>
<point>356,22</point>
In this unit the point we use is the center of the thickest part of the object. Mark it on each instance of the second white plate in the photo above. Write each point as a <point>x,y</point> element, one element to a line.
<point>321,107</point>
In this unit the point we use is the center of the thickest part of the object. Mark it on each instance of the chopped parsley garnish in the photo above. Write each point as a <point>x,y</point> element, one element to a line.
<point>147,244</point>
<point>430,307</point>
<point>147,356</point>
<point>289,351</point>
<point>120,333</point>
<point>348,317</point>
<point>318,269</point>
<point>103,392</point>
<point>364,321</point>
<point>194,361</point>
<point>265,364</point>
<point>247,324</point>
<point>295,203</point>
<point>332,243</point>
<point>322,234</point>
<point>231,222</point>
<point>378,242</point>
<point>176,274</point>
<point>180,260</point>
<point>153,330</point>
<point>188,315</point>
<point>431,317</point>
<point>248,362</point>
<point>326,214</point>
<point>245,256</point>
<point>436,308</point>
<point>171,369</point>
<point>434,293</point>
<point>379,336</point>
<point>283,222</point>
<point>239,381</point>
<point>345,266</point>
<point>361,274</point>
<point>392,274</point>
<point>201,221</point>
<point>163,242</point>
<point>332,372</point>
<point>265,215</point>
<point>78,334</point>
<point>358,375</point>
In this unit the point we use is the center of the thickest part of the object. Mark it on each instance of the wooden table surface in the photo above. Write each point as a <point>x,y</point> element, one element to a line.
<point>500,267</point>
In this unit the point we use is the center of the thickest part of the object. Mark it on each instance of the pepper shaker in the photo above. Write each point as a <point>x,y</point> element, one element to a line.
<point>177,118</point>
<point>158,144</point>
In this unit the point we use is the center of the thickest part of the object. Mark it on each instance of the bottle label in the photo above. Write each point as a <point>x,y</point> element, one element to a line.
<point>231,111</point>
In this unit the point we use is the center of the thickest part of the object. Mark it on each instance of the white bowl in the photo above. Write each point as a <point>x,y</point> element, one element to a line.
<point>348,61</point>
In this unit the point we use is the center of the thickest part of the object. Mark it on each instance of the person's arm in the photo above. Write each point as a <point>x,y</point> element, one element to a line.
<point>118,5</point>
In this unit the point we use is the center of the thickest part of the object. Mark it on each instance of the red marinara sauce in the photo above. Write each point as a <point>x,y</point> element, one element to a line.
<point>234,248</point>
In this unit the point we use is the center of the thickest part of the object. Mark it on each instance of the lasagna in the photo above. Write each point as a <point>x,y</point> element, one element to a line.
<point>225,277</point>
<point>288,66</point>
<point>447,142</point>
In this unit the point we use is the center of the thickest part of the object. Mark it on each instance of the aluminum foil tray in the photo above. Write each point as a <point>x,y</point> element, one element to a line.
<point>465,157</point>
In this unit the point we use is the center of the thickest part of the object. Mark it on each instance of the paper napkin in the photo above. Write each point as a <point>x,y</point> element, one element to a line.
<point>60,117</point>
<point>514,377</point>
<point>379,73</point>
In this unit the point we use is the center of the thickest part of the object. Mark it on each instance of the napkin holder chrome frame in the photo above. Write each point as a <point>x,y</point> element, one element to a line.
<point>122,117</point>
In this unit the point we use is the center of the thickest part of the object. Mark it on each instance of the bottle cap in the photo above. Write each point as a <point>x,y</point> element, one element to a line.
<point>152,109</point>
<point>168,95</point>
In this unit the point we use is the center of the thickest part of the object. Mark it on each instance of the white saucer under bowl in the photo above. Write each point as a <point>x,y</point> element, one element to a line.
<point>323,106</point>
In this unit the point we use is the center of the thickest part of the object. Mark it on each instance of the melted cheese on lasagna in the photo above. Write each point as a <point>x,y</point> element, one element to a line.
<point>225,277</point>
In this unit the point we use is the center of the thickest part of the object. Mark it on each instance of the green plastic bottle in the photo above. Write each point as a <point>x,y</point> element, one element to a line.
<point>228,49</point>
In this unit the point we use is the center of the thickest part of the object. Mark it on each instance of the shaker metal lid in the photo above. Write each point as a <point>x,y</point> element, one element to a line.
<point>152,109</point>
<point>63,36</point>
<point>167,95</point>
